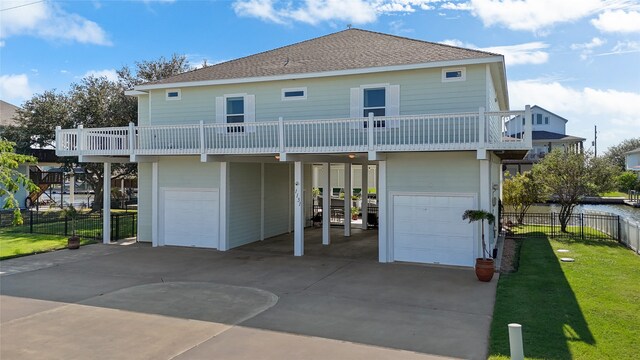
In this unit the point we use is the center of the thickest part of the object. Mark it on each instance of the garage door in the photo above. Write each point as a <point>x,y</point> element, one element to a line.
<point>191,217</point>
<point>430,229</point>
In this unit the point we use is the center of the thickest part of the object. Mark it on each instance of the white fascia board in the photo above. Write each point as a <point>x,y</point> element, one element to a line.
<point>435,64</point>
<point>135,92</point>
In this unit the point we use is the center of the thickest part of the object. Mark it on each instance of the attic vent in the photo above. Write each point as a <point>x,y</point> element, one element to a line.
<point>173,94</point>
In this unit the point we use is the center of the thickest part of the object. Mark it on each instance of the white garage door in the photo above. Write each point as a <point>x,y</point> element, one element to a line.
<point>191,217</point>
<point>430,229</point>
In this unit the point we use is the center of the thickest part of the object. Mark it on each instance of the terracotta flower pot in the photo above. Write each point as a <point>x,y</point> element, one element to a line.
<point>73,242</point>
<point>484,269</point>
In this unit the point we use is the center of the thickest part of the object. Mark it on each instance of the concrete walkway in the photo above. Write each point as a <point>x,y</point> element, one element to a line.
<point>138,302</point>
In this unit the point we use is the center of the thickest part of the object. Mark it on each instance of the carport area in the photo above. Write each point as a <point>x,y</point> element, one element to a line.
<point>360,245</point>
<point>141,302</point>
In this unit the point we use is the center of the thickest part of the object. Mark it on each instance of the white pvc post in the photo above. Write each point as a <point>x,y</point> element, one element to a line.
<point>515,342</point>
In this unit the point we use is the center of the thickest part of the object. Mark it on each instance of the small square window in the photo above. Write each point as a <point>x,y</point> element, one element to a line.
<point>539,119</point>
<point>453,74</point>
<point>546,120</point>
<point>173,94</point>
<point>294,94</point>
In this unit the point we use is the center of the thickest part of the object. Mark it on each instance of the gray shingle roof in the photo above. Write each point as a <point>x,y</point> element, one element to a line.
<point>547,135</point>
<point>344,50</point>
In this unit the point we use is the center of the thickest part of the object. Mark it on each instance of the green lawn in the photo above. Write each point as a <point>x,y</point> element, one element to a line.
<point>615,194</point>
<point>14,244</point>
<point>589,309</point>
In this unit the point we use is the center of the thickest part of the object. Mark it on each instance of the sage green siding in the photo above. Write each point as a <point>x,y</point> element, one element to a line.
<point>243,203</point>
<point>143,110</point>
<point>421,91</point>
<point>456,172</point>
<point>277,195</point>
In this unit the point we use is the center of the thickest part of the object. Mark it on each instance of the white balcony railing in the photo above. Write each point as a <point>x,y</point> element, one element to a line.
<point>462,131</point>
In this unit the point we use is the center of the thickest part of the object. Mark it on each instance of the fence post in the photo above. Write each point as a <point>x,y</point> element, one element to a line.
<point>619,236</point>
<point>582,226</point>
<point>117,228</point>
<point>553,225</point>
<point>31,221</point>
<point>66,225</point>
<point>133,226</point>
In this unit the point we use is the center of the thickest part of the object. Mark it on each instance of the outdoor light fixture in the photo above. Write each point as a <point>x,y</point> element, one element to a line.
<point>352,156</point>
<point>277,157</point>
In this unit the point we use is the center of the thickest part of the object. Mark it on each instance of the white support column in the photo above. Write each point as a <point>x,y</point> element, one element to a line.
<point>72,188</point>
<point>261,201</point>
<point>222,222</point>
<point>106,204</point>
<point>155,205</point>
<point>364,194</point>
<point>384,250</point>
<point>347,199</point>
<point>298,227</point>
<point>485,200</point>
<point>290,200</point>
<point>326,204</point>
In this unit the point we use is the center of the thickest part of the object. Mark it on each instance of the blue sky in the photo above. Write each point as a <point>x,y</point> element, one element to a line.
<point>577,58</point>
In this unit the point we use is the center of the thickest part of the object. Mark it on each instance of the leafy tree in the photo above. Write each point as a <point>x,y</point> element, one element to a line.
<point>569,176</point>
<point>92,102</point>
<point>521,191</point>
<point>627,180</point>
<point>11,180</point>
<point>615,154</point>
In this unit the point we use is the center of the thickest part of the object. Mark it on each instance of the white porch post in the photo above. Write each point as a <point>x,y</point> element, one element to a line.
<point>72,188</point>
<point>381,193</point>
<point>261,201</point>
<point>485,201</point>
<point>154,204</point>
<point>326,204</point>
<point>298,209</point>
<point>106,204</point>
<point>364,194</point>
<point>222,222</point>
<point>347,199</point>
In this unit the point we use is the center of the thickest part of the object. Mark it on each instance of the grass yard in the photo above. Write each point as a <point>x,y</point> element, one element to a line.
<point>615,194</point>
<point>14,244</point>
<point>589,309</point>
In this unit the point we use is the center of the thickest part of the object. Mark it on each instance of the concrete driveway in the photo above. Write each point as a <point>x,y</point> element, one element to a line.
<point>138,302</point>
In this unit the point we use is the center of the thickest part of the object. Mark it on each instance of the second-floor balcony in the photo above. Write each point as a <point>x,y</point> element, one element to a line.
<point>432,132</point>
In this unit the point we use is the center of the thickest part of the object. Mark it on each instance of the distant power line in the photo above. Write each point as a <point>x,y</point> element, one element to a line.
<point>23,5</point>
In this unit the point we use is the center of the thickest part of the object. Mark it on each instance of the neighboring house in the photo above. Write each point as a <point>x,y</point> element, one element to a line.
<point>225,153</point>
<point>7,111</point>
<point>549,132</point>
<point>632,160</point>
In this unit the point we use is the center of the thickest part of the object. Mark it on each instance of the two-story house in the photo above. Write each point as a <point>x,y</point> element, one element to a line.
<point>632,160</point>
<point>549,131</point>
<point>225,153</point>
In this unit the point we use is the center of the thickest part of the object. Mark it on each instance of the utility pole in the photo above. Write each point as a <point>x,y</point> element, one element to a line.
<point>595,141</point>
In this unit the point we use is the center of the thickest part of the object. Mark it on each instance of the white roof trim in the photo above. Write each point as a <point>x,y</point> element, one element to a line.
<point>435,64</point>
<point>135,92</point>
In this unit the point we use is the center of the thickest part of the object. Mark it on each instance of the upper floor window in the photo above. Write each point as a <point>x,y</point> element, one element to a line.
<point>374,102</point>
<point>294,94</point>
<point>454,74</point>
<point>539,119</point>
<point>546,120</point>
<point>173,94</point>
<point>234,113</point>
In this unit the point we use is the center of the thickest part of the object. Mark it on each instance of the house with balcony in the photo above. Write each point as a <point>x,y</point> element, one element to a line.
<point>226,153</point>
<point>632,160</point>
<point>548,133</point>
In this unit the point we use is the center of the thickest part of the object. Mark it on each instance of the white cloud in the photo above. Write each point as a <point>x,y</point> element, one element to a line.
<point>617,113</point>
<point>110,74</point>
<point>586,49</point>
<point>456,6</point>
<point>536,15</point>
<point>623,47</point>
<point>2,43</point>
<point>618,21</point>
<point>313,12</point>
<point>15,88</point>
<point>519,54</point>
<point>47,20</point>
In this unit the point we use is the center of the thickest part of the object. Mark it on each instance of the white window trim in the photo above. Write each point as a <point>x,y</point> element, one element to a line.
<point>166,94</point>
<point>463,70</point>
<point>303,97</point>
<point>244,104</point>
<point>375,86</point>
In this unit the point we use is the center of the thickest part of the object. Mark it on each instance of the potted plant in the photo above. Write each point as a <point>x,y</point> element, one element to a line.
<point>484,265</point>
<point>72,213</point>
<point>354,213</point>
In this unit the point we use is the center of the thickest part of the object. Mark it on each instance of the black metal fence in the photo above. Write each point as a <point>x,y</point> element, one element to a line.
<point>123,225</point>
<point>337,215</point>
<point>583,226</point>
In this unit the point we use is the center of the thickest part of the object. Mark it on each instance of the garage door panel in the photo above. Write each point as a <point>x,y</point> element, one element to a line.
<point>191,217</point>
<point>429,229</point>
